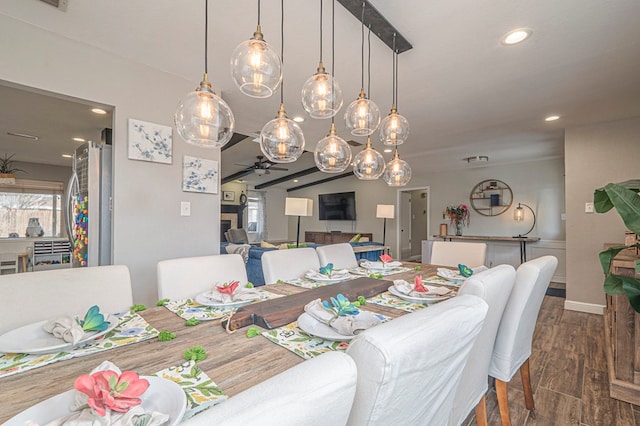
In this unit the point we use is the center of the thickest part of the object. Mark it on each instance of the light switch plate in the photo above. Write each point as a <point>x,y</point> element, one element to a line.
<point>588,207</point>
<point>185,208</point>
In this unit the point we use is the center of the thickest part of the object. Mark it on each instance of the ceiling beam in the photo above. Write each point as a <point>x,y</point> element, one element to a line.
<point>318,182</point>
<point>295,175</point>
<point>235,138</point>
<point>237,175</point>
<point>379,24</point>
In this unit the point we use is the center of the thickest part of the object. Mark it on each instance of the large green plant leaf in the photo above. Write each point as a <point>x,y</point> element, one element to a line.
<point>624,197</point>
<point>631,288</point>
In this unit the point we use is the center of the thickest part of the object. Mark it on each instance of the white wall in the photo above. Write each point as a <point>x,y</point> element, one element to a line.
<point>147,225</point>
<point>43,172</point>
<point>277,223</point>
<point>594,156</point>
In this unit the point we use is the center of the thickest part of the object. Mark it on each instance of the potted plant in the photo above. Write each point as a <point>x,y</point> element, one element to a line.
<point>624,198</point>
<point>8,170</point>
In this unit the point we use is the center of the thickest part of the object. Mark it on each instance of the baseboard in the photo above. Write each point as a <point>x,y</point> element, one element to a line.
<point>590,308</point>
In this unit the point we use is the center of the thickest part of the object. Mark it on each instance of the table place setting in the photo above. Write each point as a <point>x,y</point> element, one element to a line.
<point>326,275</point>
<point>217,302</point>
<point>417,292</point>
<point>385,266</point>
<point>31,346</point>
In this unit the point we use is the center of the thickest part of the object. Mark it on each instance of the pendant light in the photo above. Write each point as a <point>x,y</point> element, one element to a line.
<point>202,118</point>
<point>363,115</point>
<point>368,164</point>
<point>394,129</point>
<point>321,93</point>
<point>397,172</point>
<point>281,139</point>
<point>332,154</point>
<point>255,66</point>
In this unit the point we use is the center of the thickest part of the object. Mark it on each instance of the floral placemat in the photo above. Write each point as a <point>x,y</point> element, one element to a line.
<point>132,328</point>
<point>189,308</point>
<point>309,283</point>
<point>201,391</point>
<point>292,337</point>
<point>363,271</point>
<point>388,300</point>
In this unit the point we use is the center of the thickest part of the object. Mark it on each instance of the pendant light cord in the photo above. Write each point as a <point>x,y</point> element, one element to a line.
<point>394,87</point>
<point>321,1</point>
<point>333,58</point>
<point>282,48</point>
<point>258,12</point>
<point>369,63</point>
<point>395,54</point>
<point>206,34</point>
<point>362,48</point>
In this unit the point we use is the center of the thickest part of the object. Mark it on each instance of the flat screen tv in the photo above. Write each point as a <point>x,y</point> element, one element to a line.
<point>338,206</point>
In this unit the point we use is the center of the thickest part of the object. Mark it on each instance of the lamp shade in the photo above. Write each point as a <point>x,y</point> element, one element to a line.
<point>298,206</point>
<point>518,214</point>
<point>385,211</point>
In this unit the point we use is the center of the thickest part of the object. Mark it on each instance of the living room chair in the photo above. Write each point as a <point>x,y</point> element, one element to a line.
<point>409,368</point>
<point>237,236</point>
<point>513,342</point>
<point>450,253</point>
<point>494,287</point>
<point>35,296</point>
<point>289,263</point>
<point>316,392</point>
<point>341,255</point>
<point>188,276</point>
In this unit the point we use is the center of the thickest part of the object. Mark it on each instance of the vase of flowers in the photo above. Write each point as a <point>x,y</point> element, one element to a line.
<point>458,216</point>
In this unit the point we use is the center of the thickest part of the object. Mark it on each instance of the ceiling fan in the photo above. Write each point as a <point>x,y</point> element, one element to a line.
<point>262,167</point>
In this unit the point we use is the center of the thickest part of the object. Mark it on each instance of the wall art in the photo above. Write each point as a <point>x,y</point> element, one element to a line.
<point>150,141</point>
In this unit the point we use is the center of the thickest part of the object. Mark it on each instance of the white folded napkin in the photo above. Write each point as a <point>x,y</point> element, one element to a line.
<point>407,288</point>
<point>240,295</point>
<point>380,265</point>
<point>65,328</point>
<point>349,325</point>
<point>86,417</point>
<point>450,274</point>
<point>335,275</point>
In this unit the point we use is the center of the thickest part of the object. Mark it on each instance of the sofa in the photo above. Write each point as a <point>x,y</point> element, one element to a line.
<point>254,260</point>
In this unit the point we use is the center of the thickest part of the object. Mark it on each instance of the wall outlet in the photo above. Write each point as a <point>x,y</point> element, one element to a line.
<point>185,208</point>
<point>588,207</point>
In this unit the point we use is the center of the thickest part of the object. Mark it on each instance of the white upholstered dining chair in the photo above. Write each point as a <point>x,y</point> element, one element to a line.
<point>188,276</point>
<point>35,296</point>
<point>494,287</point>
<point>289,263</point>
<point>513,342</point>
<point>317,392</point>
<point>451,253</point>
<point>341,255</point>
<point>409,368</point>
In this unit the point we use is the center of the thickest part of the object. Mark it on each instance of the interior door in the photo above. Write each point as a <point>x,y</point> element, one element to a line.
<point>405,224</point>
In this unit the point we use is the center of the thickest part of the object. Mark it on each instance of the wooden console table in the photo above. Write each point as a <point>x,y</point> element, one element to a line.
<point>622,337</point>
<point>522,240</point>
<point>333,237</point>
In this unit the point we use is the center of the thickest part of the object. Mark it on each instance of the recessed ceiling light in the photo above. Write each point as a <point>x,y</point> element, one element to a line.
<point>298,119</point>
<point>98,111</point>
<point>552,118</point>
<point>516,36</point>
<point>296,181</point>
<point>240,181</point>
<point>78,139</point>
<point>388,150</point>
<point>67,155</point>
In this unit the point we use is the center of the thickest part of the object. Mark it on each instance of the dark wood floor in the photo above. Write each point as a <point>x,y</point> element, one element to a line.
<point>568,375</point>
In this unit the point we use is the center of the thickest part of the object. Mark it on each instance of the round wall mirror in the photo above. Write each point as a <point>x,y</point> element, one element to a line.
<point>491,197</point>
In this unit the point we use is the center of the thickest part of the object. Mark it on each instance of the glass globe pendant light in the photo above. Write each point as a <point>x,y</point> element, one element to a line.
<point>333,154</point>
<point>394,129</point>
<point>397,172</point>
<point>321,93</point>
<point>362,116</point>
<point>368,164</point>
<point>202,118</point>
<point>255,66</point>
<point>281,139</point>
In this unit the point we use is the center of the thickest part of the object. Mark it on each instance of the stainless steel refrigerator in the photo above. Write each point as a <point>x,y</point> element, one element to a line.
<point>89,204</point>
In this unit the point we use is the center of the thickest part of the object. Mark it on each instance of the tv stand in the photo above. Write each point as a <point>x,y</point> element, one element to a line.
<point>333,237</point>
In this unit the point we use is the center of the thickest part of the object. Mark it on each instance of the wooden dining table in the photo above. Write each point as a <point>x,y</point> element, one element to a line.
<point>234,361</point>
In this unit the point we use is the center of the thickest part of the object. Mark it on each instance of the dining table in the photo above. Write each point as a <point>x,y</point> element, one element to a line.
<point>234,361</point>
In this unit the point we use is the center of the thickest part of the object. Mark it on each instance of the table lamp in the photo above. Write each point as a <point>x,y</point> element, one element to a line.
<point>519,216</point>
<point>385,211</point>
<point>298,207</point>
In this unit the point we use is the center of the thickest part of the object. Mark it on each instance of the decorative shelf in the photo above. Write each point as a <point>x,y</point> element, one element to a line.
<point>491,197</point>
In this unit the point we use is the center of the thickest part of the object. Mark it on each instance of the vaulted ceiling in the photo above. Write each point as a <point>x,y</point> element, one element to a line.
<point>463,92</point>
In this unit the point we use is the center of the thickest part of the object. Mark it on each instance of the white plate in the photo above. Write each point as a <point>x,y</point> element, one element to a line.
<point>32,339</point>
<point>451,275</point>
<point>205,301</point>
<point>327,279</point>
<point>420,300</point>
<point>162,395</point>
<point>313,327</point>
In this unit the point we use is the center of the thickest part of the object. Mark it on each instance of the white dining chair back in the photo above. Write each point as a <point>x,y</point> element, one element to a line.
<point>289,263</point>
<point>515,334</point>
<point>35,296</point>
<point>188,276</point>
<point>317,392</point>
<point>341,255</point>
<point>409,368</point>
<point>494,287</point>
<point>451,253</point>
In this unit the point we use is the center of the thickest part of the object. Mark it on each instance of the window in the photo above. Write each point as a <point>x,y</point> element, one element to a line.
<point>255,216</point>
<point>30,198</point>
